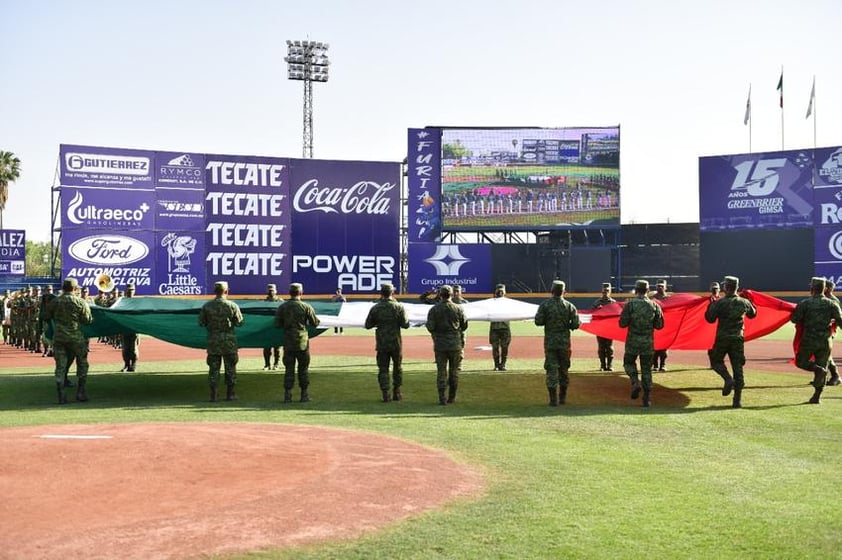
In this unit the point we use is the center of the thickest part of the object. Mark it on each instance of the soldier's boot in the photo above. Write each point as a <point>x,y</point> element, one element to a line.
<point>834,374</point>
<point>819,376</point>
<point>728,381</point>
<point>396,394</point>
<point>496,365</point>
<point>275,364</point>
<point>287,395</point>
<point>231,393</point>
<point>608,366</point>
<point>663,366</point>
<point>503,363</point>
<point>125,367</point>
<point>602,365</point>
<point>36,348</point>
<point>451,395</point>
<point>635,386</point>
<point>67,381</point>
<point>213,393</point>
<point>738,393</point>
<point>442,398</point>
<point>647,400</point>
<point>305,395</point>
<point>81,393</point>
<point>386,396</point>
<point>132,365</point>
<point>62,396</point>
<point>553,392</point>
<point>562,394</point>
<point>817,394</point>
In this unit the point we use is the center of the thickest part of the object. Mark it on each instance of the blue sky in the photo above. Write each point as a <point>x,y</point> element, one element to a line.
<point>210,77</point>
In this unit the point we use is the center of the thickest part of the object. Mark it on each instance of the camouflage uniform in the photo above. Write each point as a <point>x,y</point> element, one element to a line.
<point>296,317</point>
<point>272,353</point>
<point>642,316</point>
<point>388,316</point>
<point>829,286</point>
<point>605,346</point>
<point>499,335</point>
<point>728,313</point>
<point>446,323</point>
<point>815,314</point>
<point>558,317</point>
<point>130,341</point>
<point>459,300</point>
<point>34,310</point>
<point>42,311</point>
<point>220,316</point>
<point>660,355</point>
<point>69,312</point>
<point>5,304</point>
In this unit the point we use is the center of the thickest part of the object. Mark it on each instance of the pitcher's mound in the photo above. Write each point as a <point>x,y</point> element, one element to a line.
<point>182,490</point>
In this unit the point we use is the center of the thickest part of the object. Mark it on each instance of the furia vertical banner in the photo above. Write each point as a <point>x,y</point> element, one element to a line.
<point>345,225</point>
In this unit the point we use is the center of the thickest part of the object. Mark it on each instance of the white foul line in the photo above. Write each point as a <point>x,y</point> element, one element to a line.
<point>62,436</point>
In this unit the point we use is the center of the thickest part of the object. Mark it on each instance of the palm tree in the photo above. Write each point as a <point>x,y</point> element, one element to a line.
<point>9,173</point>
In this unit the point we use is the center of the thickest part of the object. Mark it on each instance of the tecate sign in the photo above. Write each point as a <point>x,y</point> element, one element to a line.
<point>108,250</point>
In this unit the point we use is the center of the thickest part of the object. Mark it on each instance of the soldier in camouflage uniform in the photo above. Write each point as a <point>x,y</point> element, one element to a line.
<point>714,295</point>
<point>220,316</point>
<point>605,346</point>
<point>660,357</point>
<point>499,335</point>
<point>558,317</point>
<point>388,316</point>
<point>14,318</point>
<point>642,316</point>
<point>829,286</point>
<point>272,352</point>
<point>459,300</point>
<point>68,313</point>
<point>32,320</point>
<point>728,313</point>
<point>446,323</point>
<point>42,310</point>
<point>5,308</point>
<point>296,318</point>
<point>130,342</point>
<point>814,315</point>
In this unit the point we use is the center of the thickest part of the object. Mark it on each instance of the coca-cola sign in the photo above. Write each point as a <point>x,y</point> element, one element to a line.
<point>108,249</point>
<point>363,197</point>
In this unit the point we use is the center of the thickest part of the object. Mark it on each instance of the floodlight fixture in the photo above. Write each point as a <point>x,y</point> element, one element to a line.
<point>307,62</point>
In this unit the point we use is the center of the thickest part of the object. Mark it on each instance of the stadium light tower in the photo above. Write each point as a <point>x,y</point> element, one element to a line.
<point>307,62</point>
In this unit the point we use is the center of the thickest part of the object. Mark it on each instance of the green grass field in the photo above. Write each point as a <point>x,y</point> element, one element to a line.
<point>598,478</point>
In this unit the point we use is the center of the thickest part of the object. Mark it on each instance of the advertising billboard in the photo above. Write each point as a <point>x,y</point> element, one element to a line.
<point>432,265</point>
<point>761,190</point>
<point>345,224</point>
<point>124,257</point>
<point>93,166</point>
<point>12,252</point>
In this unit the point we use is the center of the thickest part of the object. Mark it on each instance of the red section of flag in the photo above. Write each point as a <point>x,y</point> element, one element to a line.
<point>685,327</point>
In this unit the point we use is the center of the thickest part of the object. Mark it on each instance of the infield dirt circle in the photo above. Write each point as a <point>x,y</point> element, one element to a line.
<point>142,491</point>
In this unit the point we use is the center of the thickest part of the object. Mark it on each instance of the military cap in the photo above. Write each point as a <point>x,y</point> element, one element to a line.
<point>714,285</point>
<point>36,288</point>
<point>446,290</point>
<point>641,285</point>
<point>606,285</point>
<point>296,288</point>
<point>817,282</point>
<point>558,284</point>
<point>457,288</point>
<point>48,287</point>
<point>731,281</point>
<point>271,287</point>
<point>830,284</point>
<point>130,286</point>
<point>220,286</point>
<point>386,286</point>
<point>500,287</point>
<point>69,284</point>
<point>661,283</point>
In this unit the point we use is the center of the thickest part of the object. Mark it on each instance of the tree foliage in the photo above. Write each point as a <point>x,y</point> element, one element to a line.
<point>39,259</point>
<point>9,173</point>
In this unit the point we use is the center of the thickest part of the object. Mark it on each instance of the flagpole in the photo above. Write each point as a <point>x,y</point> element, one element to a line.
<point>782,107</point>
<point>814,112</point>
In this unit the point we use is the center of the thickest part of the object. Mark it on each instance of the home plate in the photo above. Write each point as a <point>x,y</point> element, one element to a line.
<point>482,347</point>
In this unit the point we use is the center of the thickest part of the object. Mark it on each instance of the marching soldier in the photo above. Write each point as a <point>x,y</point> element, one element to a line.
<point>447,324</point>
<point>642,316</point>
<point>558,317</point>
<point>69,312</point>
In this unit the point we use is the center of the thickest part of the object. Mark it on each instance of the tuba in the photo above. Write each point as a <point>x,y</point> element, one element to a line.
<point>104,283</point>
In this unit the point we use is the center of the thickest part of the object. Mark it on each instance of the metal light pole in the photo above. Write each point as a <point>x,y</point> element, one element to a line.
<point>308,62</point>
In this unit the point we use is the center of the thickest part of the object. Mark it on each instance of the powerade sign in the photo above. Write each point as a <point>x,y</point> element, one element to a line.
<point>103,208</point>
<point>345,224</point>
<point>751,191</point>
<point>125,257</point>
<point>94,166</point>
<point>12,252</point>
<point>432,265</point>
<point>247,211</point>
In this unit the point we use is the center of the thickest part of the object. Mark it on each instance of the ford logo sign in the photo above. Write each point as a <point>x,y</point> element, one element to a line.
<point>108,250</point>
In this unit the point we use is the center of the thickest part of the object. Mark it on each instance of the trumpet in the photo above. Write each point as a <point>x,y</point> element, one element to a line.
<point>104,283</point>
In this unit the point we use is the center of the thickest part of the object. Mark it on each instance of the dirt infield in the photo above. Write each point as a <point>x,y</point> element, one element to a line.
<point>140,491</point>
